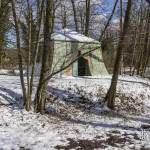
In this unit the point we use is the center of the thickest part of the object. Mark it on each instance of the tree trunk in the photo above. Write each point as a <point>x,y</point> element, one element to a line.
<point>133,57</point>
<point>64,17</point>
<point>75,15</point>
<point>13,2</point>
<point>139,56</point>
<point>47,53</point>
<point>28,102</point>
<point>146,44</point>
<point>87,20</point>
<point>39,21</point>
<point>121,29</point>
<point>110,96</point>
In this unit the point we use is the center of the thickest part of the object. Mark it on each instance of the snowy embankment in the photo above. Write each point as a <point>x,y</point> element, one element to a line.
<point>75,118</point>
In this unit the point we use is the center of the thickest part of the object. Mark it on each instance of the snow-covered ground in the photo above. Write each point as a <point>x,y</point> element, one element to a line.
<point>75,118</point>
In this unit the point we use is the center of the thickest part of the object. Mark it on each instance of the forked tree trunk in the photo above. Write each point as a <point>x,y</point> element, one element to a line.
<point>39,22</point>
<point>47,53</point>
<point>110,96</point>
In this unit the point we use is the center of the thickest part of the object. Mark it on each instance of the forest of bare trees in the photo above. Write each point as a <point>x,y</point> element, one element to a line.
<point>74,74</point>
<point>125,29</point>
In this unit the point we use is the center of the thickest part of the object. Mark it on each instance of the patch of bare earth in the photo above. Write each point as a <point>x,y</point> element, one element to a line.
<point>113,138</point>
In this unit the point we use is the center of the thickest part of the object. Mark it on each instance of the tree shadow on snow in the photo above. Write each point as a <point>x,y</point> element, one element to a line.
<point>74,100</point>
<point>95,124</point>
<point>10,98</point>
<point>80,102</point>
<point>119,80</point>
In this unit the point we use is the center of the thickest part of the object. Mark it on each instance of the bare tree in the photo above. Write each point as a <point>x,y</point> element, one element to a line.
<point>146,46</point>
<point>46,62</point>
<point>13,2</point>
<point>110,96</point>
<point>87,17</point>
<point>75,15</point>
<point>28,101</point>
<point>34,61</point>
<point>109,20</point>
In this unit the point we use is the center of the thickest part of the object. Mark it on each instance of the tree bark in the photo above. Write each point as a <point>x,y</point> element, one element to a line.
<point>87,17</point>
<point>13,2</point>
<point>75,15</point>
<point>39,22</point>
<point>46,62</point>
<point>110,96</point>
<point>28,101</point>
<point>121,29</point>
<point>146,44</point>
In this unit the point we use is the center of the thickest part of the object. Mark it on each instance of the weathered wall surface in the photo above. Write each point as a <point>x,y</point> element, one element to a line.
<point>62,57</point>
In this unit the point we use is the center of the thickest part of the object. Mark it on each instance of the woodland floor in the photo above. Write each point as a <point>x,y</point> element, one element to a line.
<point>75,116</point>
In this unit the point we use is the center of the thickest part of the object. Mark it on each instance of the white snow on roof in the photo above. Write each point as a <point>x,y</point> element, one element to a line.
<point>69,35</point>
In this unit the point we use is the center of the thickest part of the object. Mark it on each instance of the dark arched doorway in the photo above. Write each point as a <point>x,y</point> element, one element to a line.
<point>83,67</point>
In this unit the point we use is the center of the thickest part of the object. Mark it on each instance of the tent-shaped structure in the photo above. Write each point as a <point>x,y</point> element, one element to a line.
<point>69,44</point>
